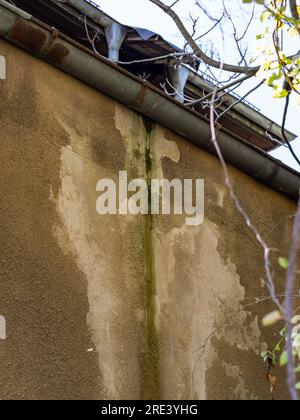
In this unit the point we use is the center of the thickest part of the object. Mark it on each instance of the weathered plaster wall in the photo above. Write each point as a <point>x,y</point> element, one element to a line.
<point>119,306</point>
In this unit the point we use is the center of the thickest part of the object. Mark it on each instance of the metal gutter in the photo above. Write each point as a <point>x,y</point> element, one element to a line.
<point>46,43</point>
<point>15,9</point>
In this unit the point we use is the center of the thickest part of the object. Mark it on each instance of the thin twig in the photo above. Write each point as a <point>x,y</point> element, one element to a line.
<point>226,321</point>
<point>196,48</point>
<point>222,88</point>
<point>240,100</point>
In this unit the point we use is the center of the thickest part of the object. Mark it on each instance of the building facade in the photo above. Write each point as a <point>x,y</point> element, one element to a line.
<point>123,307</point>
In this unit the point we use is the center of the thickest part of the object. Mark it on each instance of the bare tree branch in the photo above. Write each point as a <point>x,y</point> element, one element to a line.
<point>242,211</point>
<point>221,89</point>
<point>286,108</point>
<point>92,40</point>
<point>241,99</point>
<point>249,23</point>
<point>195,47</point>
<point>211,29</point>
<point>237,39</point>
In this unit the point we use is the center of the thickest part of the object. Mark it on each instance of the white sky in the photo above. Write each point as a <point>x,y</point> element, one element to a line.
<point>143,13</point>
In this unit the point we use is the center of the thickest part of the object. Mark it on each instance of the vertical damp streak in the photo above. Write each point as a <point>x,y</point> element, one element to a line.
<point>151,363</point>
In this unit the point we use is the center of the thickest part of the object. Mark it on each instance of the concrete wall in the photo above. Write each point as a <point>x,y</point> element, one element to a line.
<point>116,306</point>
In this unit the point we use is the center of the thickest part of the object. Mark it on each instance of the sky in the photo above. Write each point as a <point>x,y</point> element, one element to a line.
<point>143,13</point>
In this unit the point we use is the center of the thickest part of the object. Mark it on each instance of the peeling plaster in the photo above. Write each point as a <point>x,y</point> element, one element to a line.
<point>240,390</point>
<point>71,206</point>
<point>197,304</point>
<point>118,359</point>
<point>211,291</point>
<point>98,266</point>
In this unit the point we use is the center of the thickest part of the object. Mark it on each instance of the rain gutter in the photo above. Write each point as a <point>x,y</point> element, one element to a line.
<point>48,44</point>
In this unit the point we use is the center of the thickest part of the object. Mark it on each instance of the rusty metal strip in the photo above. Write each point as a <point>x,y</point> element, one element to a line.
<point>28,36</point>
<point>54,35</point>
<point>140,98</point>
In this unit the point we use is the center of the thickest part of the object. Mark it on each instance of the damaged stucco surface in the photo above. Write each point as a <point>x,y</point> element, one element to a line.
<point>120,306</point>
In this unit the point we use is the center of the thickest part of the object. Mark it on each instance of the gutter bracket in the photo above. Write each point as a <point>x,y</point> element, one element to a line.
<point>54,35</point>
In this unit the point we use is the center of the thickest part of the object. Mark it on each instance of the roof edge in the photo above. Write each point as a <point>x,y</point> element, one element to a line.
<point>247,111</point>
<point>103,75</point>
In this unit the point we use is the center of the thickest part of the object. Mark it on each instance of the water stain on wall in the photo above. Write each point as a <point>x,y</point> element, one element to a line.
<point>119,306</point>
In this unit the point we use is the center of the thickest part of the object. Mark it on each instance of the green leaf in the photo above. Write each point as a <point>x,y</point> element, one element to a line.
<point>298,386</point>
<point>280,93</point>
<point>284,358</point>
<point>284,263</point>
<point>256,1</point>
<point>278,348</point>
<point>271,80</point>
<point>265,355</point>
<point>265,16</point>
<point>283,332</point>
